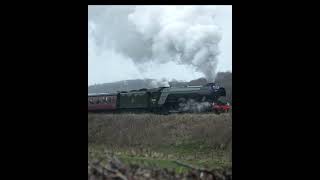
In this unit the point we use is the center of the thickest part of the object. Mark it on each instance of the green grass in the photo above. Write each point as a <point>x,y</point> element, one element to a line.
<point>186,148</point>
<point>170,164</point>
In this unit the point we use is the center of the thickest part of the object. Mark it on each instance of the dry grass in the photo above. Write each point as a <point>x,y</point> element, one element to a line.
<point>152,130</point>
<point>203,139</point>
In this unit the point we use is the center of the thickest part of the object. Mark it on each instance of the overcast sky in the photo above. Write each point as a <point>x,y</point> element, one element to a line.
<point>124,42</point>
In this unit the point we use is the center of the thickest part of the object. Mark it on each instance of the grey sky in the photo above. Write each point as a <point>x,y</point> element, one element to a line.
<point>115,51</point>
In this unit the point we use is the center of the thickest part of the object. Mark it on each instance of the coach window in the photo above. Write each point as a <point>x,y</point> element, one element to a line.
<point>108,99</point>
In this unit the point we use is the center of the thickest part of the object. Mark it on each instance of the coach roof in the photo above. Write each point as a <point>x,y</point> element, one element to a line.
<point>102,94</point>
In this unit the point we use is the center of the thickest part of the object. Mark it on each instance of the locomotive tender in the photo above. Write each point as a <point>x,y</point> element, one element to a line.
<point>158,100</point>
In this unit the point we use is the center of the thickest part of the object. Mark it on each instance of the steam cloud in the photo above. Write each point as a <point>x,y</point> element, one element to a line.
<point>194,106</point>
<point>159,83</point>
<point>186,35</point>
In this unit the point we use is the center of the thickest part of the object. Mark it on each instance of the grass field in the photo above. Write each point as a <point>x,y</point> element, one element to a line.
<point>202,140</point>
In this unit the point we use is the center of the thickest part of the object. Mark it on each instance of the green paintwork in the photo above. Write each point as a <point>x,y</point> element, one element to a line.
<point>173,94</point>
<point>134,100</point>
<point>163,97</point>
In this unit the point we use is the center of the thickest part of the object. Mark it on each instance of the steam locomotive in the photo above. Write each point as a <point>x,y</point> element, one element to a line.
<point>159,100</point>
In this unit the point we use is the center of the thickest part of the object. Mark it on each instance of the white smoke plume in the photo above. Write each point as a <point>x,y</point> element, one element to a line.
<point>159,83</point>
<point>186,35</point>
<point>193,106</point>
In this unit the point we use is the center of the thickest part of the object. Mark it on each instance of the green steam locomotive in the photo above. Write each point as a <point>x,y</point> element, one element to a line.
<point>159,100</point>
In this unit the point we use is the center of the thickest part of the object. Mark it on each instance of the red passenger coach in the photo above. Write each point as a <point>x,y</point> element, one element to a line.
<point>102,102</point>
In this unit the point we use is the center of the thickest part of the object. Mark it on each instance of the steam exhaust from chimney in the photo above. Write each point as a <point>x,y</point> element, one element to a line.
<point>186,35</point>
